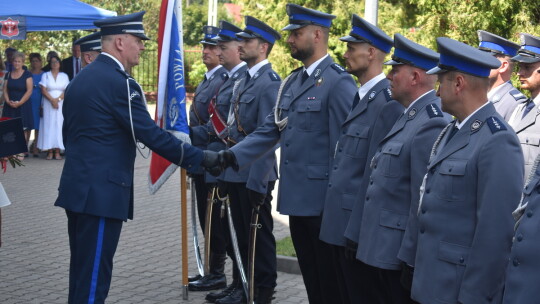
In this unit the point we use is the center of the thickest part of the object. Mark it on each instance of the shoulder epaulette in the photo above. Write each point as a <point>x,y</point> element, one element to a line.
<point>387,94</point>
<point>518,95</point>
<point>433,110</point>
<point>495,124</point>
<point>224,75</point>
<point>338,68</point>
<point>274,76</point>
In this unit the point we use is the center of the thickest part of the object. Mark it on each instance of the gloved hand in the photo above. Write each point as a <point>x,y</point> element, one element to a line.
<point>256,198</point>
<point>227,159</point>
<point>350,249</point>
<point>190,133</point>
<point>222,190</point>
<point>211,162</point>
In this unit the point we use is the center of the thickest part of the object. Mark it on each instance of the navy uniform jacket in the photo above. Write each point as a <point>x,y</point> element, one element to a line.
<point>97,178</point>
<point>507,99</point>
<point>251,103</point>
<point>523,272</point>
<point>465,222</point>
<point>223,102</point>
<point>528,132</point>
<point>198,112</point>
<point>315,110</point>
<point>398,168</point>
<point>364,128</point>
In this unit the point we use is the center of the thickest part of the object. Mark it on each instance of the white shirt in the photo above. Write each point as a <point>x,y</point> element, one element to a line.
<point>460,124</point>
<point>407,109</point>
<point>362,91</point>
<point>254,69</point>
<point>121,66</point>
<point>314,65</point>
<point>211,72</point>
<point>241,64</point>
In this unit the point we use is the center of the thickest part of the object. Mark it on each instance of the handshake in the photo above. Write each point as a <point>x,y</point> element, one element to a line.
<point>216,162</point>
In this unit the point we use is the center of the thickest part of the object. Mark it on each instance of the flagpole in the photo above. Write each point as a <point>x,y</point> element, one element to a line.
<point>183,190</point>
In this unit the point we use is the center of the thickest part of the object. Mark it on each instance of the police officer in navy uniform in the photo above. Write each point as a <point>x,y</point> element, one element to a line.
<point>215,136</point>
<point>372,116</point>
<point>198,116</point>
<point>90,48</point>
<point>502,93</point>
<point>96,186</point>
<point>473,183</point>
<point>253,99</point>
<point>315,99</point>
<point>526,117</point>
<point>398,167</point>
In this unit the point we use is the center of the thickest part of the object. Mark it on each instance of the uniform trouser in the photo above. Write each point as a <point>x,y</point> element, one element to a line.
<point>92,243</point>
<point>389,284</point>
<point>313,256</point>
<point>218,237</point>
<point>355,279</point>
<point>265,249</point>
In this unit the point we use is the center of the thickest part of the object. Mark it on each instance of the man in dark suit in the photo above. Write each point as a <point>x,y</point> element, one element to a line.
<point>102,124</point>
<point>72,65</point>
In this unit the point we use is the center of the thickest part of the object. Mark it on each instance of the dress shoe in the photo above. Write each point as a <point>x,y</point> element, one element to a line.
<point>194,278</point>
<point>264,295</point>
<point>237,296</point>
<point>209,282</point>
<point>214,296</point>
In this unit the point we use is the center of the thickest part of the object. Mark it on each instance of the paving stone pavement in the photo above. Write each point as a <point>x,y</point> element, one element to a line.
<point>34,257</point>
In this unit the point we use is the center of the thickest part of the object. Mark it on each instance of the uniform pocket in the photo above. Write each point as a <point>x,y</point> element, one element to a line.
<point>451,180</point>
<point>309,115</point>
<point>120,178</point>
<point>355,142</point>
<point>317,171</point>
<point>453,258</point>
<point>389,159</point>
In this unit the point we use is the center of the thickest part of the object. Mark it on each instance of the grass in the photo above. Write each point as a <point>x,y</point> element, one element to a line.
<point>285,247</point>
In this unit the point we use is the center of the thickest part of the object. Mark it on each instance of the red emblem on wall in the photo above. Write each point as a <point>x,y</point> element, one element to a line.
<point>10,27</point>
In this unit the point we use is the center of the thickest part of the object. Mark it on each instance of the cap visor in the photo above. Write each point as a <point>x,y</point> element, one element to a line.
<point>435,70</point>
<point>393,62</point>
<point>142,36</point>
<point>245,35</point>
<point>210,42</point>
<point>291,27</point>
<point>525,59</point>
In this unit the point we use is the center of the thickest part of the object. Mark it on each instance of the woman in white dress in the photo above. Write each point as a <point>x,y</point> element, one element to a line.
<point>53,84</point>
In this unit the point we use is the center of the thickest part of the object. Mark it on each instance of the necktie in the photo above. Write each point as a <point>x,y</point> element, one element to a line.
<point>77,66</point>
<point>248,76</point>
<point>356,100</point>
<point>305,76</point>
<point>205,78</point>
<point>530,105</point>
<point>453,132</point>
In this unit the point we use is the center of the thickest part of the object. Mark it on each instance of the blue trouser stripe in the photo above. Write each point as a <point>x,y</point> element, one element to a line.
<point>95,271</point>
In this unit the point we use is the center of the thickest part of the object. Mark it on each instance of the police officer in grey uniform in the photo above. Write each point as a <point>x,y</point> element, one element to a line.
<point>398,167</point>
<point>313,102</point>
<point>373,114</point>
<point>90,48</point>
<point>198,119</point>
<point>253,98</point>
<point>502,93</point>
<point>526,120</point>
<point>473,183</point>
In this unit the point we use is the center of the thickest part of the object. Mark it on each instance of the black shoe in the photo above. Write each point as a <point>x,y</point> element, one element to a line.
<point>237,296</point>
<point>194,278</point>
<point>209,282</point>
<point>264,295</point>
<point>213,296</point>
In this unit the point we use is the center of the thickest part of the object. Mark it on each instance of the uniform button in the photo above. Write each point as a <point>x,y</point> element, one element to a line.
<point>380,149</point>
<point>357,133</point>
<point>343,132</point>
<point>432,170</point>
<point>326,174</point>
<point>367,198</point>
<point>289,127</point>
<point>286,162</point>
<point>519,237</point>
<point>423,211</point>
<point>292,110</point>
<point>123,184</point>
<point>308,108</point>
<point>398,224</point>
<point>287,144</point>
<point>515,262</point>
<point>450,170</point>
<point>329,185</point>
<point>335,167</point>
<point>427,191</point>
<point>529,213</point>
<point>422,230</point>
<point>371,182</point>
<point>340,149</point>
<point>375,166</point>
<point>461,260</point>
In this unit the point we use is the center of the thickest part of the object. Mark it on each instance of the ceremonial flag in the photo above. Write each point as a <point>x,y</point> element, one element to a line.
<point>171,99</point>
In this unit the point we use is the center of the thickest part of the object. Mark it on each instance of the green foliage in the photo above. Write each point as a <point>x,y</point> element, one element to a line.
<point>196,72</point>
<point>195,16</point>
<point>285,247</point>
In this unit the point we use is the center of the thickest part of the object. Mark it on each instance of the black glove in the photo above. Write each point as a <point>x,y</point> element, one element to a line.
<point>190,134</point>
<point>222,190</point>
<point>227,159</point>
<point>350,250</point>
<point>211,162</point>
<point>256,198</point>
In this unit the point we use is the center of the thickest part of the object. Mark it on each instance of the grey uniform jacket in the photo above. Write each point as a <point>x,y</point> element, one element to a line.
<point>523,272</point>
<point>250,105</point>
<point>198,112</point>
<point>315,110</point>
<point>528,132</point>
<point>507,99</point>
<point>398,168</point>
<point>465,223</point>
<point>363,129</point>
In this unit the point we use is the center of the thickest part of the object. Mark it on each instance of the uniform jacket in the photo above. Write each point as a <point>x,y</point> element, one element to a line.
<point>97,178</point>
<point>363,129</point>
<point>523,272</point>
<point>198,112</point>
<point>507,99</point>
<point>315,110</point>
<point>398,168</point>
<point>250,105</point>
<point>465,223</point>
<point>528,132</point>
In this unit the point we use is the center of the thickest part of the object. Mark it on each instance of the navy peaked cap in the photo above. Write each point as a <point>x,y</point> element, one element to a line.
<point>530,49</point>
<point>300,16</point>
<point>127,24</point>
<point>363,31</point>
<point>458,56</point>
<point>209,33</point>
<point>90,42</point>
<point>496,44</point>
<point>409,52</point>
<point>227,32</point>
<point>255,28</point>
